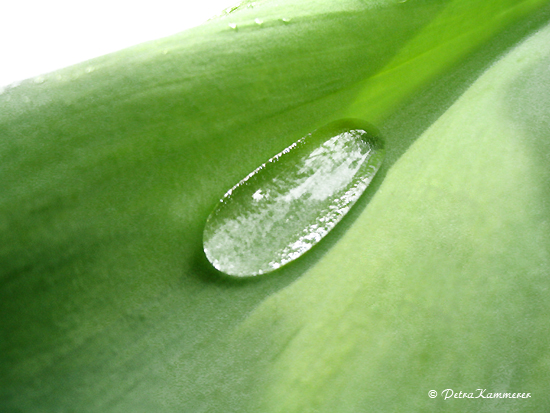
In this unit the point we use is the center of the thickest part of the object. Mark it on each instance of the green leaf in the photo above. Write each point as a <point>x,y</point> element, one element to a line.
<point>436,280</point>
<point>442,281</point>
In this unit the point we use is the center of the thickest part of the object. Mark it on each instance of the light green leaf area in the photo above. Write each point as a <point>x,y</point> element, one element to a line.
<point>442,282</point>
<point>109,169</point>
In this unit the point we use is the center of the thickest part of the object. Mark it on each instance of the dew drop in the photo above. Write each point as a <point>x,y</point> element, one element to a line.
<point>259,22</point>
<point>233,26</point>
<point>39,79</point>
<point>285,20</point>
<point>90,69</point>
<point>288,204</point>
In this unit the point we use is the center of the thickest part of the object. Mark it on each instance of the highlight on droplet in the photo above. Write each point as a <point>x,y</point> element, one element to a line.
<point>288,204</point>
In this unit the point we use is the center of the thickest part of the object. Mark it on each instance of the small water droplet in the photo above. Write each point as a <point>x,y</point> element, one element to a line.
<point>39,79</point>
<point>285,20</point>
<point>259,22</point>
<point>288,204</point>
<point>90,69</point>
<point>233,26</point>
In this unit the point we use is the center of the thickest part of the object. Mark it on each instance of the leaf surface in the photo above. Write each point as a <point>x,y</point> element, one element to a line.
<point>110,168</point>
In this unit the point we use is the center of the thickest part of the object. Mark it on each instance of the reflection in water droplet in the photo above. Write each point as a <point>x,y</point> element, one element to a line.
<point>259,21</point>
<point>233,26</point>
<point>287,205</point>
<point>39,79</point>
<point>285,20</point>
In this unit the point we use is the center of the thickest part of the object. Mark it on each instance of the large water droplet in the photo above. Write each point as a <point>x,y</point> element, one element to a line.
<point>287,205</point>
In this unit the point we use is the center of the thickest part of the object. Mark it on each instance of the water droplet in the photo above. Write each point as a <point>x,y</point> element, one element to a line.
<point>39,79</point>
<point>90,69</point>
<point>233,26</point>
<point>288,204</point>
<point>259,22</point>
<point>285,20</point>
